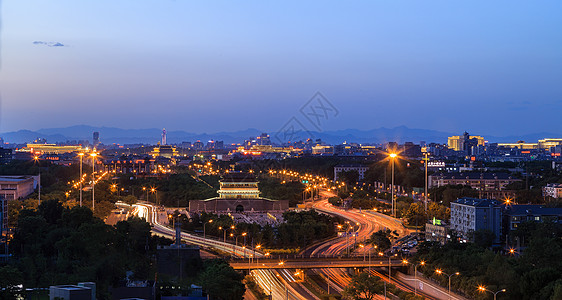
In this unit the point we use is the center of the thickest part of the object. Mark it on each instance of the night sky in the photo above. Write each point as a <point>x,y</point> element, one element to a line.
<point>489,67</point>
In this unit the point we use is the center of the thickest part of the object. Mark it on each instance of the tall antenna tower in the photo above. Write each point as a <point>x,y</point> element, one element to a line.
<point>164,136</point>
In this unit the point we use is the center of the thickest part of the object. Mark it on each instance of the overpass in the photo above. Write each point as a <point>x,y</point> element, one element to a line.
<point>245,264</point>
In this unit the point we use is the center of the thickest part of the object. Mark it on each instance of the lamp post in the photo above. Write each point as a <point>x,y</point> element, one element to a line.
<point>244,247</point>
<point>440,272</point>
<point>204,234</point>
<point>154,191</point>
<point>36,159</point>
<point>257,259</point>
<point>81,154</point>
<point>93,155</point>
<point>392,157</point>
<point>389,257</point>
<point>422,263</point>
<point>145,189</point>
<point>484,289</point>
<point>426,160</point>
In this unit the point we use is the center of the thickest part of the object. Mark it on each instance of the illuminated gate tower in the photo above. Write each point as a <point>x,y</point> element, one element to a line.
<point>238,192</point>
<point>239,186</point>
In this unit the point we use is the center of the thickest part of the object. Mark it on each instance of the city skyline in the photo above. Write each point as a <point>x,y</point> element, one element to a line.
<point>204,67</point>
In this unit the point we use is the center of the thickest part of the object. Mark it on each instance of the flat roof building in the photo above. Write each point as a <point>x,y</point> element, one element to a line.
<point>470,214</point>
<point>16,187</point>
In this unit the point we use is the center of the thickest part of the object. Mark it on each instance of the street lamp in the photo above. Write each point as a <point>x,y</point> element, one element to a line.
<point>426,160</point>
<point>81,154</point>
<point>440,272</point>
<point>258,246</point>
<point>36,159</point>
<point>484,289</point>
<point>210,221</point>
<point>244,247</point>
<point>93,155</point>
<point>153,190</point>
<point>422,263</point>
<point>392,157</point>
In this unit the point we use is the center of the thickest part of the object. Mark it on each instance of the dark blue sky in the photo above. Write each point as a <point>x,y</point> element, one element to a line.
<point>489,67</point>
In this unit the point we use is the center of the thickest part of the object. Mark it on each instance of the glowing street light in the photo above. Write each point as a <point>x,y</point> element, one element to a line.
<point>210,221</point>
<point>36,159</point>
<point>93,155</point>
<point>421,263</point>
<point>483,289</point>
<point>440,272</point>
<point>392,157</point>
<point>81,154</point>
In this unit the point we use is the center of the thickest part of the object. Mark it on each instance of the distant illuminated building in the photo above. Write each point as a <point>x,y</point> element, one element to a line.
<point>547,144</point>
<point>51,149</point>
<point>464,142</point>
<point>520,145</point>
<point>166,151</point>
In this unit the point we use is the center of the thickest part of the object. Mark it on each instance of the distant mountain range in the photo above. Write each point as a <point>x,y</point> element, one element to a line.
<point>110,135</point>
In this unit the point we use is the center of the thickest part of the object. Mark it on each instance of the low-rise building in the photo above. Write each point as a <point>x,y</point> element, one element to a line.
<point>470,214</point>
<point>346,168</point>
<point>517,214</point>
<point>16,187</point>
<point>476,180</point>
<point>553,190</point>
<point>436,231</point>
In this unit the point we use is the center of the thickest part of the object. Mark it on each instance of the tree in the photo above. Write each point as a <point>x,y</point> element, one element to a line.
<point>10,279</point>
<point>415,214</point>
<point>335,201</point>
<point>381,239</point>
<point>221,281</point>
<point>349,177</point>
<point>363,287</point>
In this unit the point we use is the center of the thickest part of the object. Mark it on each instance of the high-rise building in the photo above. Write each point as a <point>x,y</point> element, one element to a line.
<point>263,139</point>
<point>96,138</point>
<point>465,142</point>
<point>163,137</point>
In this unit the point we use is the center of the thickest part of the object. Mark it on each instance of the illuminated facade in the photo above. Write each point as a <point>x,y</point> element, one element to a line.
<point>462,142</point>
<point>549,143</point>
<point>520,145</point>
<point>239,186</point>
<point>166,151</point>
<point>51,149</point>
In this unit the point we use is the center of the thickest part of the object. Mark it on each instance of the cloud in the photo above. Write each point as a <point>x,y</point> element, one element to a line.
<point>49,44</point>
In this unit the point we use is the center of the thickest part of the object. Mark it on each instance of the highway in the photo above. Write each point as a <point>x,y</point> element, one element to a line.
<point>279,283</point>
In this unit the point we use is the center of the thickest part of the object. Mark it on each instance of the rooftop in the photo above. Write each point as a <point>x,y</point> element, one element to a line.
<point>533,209</point>
<point>477,202</point>
<point>238,177</point>
<point>473,175</point>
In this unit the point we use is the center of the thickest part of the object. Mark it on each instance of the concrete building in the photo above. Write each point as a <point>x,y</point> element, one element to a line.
<point>238,193</point>
<point>70,292</point>
<point>470,214</point>
<point>553,190</point>
<point>517,214</point>
<point>16,187</point>
<point>436,231</point>
<point>476,180</point>
<point>346,168</point>
<point>6,155</point>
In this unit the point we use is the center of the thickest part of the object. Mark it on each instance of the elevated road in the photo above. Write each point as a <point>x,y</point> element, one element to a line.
<point>312,264</point>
